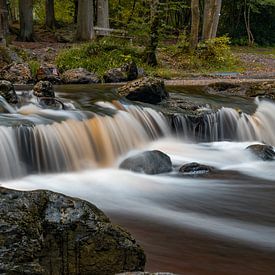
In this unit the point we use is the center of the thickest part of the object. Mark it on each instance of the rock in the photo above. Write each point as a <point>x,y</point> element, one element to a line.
<point>146,89</point>
<point>48,73</point>
<point>19,73</point>
<point>226,88</point>
<point>148,162</point>
<point>79,76</point>
<point>43,89</point>
<point>7,92</point>
<point>127,72</point>
<point>42,232</point>
<point>195,168</point>
<point>262,89</point>
<point>262,151</point>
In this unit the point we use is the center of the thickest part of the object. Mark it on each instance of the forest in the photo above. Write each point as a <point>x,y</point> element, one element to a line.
<point>137,137</point>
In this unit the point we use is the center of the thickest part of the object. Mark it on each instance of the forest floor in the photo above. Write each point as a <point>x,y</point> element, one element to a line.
<point>253,62</point>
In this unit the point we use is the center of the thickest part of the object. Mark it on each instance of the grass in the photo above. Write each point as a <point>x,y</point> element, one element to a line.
<point>174,60</point>
<point>255,50</point>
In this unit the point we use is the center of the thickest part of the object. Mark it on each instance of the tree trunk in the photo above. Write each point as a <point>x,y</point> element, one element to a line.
<point>151,58</point>
<point>217,13</point>
<point>247,23</point>
<point>50,17</point>
<point>194,37</point>
<point>26,20</point>
<point>103,16</point>
<point>4,19</point>
<point>75,11</point>
<point>85,25</point>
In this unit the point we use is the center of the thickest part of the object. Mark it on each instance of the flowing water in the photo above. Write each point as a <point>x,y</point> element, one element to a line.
<point>220,223</point>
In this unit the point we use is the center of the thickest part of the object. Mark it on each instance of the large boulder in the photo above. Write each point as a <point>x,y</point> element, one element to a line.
<point>126,72</point>
<point>79,76</point>
<point>42,232</point>
<point>7,92</point>
<point>146,89</point>
<point>49,73</point>
<point>19,73</point>
<point>148,162</point>
<point>262,151</point>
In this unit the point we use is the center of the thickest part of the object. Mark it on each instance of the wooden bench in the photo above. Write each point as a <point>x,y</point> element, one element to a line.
<point>112,32</point>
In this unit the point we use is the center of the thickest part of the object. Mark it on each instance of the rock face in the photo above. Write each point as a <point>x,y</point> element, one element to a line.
<point>262,151</point>
<point>7,92</point>
<point>127,72</point>
<point>44,89</point>
<point>148,162</point>
<point>195,168</point>
<point>147,89</point>
<point>43,232</point>
<point>48,73</point>
<point>79,76</point>
<point>19,73</point>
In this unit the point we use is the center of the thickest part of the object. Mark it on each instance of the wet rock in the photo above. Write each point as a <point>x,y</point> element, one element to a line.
<point>43,89</point>
<point>7,92</point>
<point>42,232</point>
<point>226,88</point>
<point>48,73</point>
<point>262,151</point>
<point>195,168</point>
<point>147,89</point>
<point>148,162</point>
<point>79,76</point>
<point>127,72</point>
<point>19,73</point>
<point>263,89</point>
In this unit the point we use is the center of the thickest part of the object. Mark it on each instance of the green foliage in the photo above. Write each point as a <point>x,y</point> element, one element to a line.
<point>99,56</point>
<point>4,55</point>
<point>215,51</point>
<point>34,66</point>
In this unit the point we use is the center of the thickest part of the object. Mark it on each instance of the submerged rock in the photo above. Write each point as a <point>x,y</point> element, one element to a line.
<point>147,90</point>
<point>126,72</point>
<point>148,162</point>
<point>262,151</point>
<point>48,73</point>
<point>7,92</point>
<point>19,73</point>
<point>42,232</point>
<point>43,89</point>
<point>79,76</point>
<point>225,88</point>
<point>195,168</point>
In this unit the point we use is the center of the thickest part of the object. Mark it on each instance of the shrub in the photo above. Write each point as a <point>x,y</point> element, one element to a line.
<point>34,66</point>
<point>215,52</point>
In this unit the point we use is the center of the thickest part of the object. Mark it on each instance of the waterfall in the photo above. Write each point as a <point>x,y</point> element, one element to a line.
<point>73,140</point>
<point>229,124</point>
<point>74,144</point>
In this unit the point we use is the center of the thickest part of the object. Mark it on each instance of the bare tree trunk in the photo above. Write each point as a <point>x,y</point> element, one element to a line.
<point>250,36</point>
<point>151,58</point>
<point>75,11</point>
<point>50,17</point>
<point>195,24</point>
<point>103,15</point>
<point>85,25</point>
<point>26,20</point>
<point>217,13</point>
<point>206,20</point>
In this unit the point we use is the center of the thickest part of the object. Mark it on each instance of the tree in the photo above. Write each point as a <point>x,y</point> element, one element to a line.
<point>26,20</point>
<point>50,17</point>
<point>85,25</point>
<point>4,20</point>
<point>151,58</point>
<point>195,24</point>
<point>212,9</point>
<point>103,15</point>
